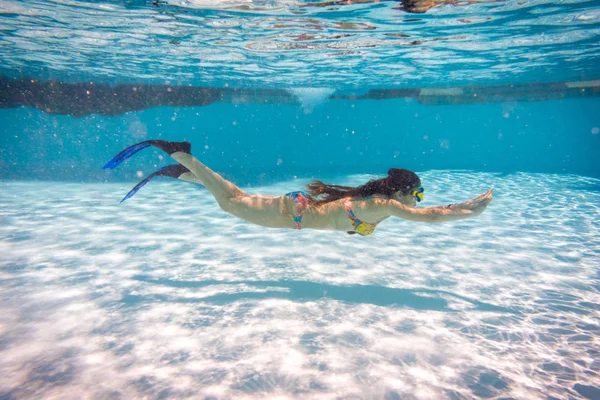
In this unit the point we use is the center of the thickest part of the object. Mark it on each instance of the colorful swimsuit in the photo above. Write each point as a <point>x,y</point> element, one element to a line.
<point>301,199</point>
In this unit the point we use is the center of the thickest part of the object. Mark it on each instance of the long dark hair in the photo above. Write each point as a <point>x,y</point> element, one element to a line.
<point>398,180</point>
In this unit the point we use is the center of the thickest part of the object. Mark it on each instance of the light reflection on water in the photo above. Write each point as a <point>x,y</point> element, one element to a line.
<point>283,43</point>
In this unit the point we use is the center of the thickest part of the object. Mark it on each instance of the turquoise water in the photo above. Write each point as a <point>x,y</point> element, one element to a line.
<point>166,296</point>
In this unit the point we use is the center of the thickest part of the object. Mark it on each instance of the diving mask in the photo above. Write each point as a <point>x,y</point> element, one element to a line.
<point>418,194</point>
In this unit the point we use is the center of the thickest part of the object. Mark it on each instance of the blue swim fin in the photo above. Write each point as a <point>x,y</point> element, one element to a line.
<point>174,171</point>
<point>125,154</point>
<point>166,146</point>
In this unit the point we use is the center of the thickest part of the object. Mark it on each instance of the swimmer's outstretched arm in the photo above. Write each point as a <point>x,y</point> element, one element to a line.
<point>452,212</point>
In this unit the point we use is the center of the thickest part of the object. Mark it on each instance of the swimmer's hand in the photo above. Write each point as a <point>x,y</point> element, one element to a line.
<point>453,212</point>
<point>475,206</point>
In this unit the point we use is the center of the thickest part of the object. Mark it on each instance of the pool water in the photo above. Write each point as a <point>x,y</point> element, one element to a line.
<point>167,296</point>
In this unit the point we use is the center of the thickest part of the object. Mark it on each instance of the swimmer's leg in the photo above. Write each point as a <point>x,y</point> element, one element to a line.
<point>220,188</point>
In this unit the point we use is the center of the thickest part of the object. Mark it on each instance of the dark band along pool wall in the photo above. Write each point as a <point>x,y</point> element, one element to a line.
<point>255,143</point>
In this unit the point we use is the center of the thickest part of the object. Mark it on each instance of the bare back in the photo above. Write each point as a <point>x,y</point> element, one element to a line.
<point>275,211</point>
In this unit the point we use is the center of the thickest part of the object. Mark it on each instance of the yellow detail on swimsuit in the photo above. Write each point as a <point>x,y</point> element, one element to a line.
<point>365,229</point>
<point>360,227</point>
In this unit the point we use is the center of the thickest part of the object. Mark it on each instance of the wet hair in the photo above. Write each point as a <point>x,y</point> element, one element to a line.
<point>398,180</point>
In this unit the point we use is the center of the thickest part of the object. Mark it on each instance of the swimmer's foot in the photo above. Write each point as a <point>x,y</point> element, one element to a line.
<point>164,145</point>
<point>174,171</point>
<point>172,147</point>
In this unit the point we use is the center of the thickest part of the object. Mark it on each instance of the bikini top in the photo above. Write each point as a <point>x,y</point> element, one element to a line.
<point>361,227</point>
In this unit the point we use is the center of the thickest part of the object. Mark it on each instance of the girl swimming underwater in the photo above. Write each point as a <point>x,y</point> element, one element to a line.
<point>324,207</point>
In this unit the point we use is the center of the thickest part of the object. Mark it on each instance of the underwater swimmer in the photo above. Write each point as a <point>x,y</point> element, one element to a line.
<point>323,207</point>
